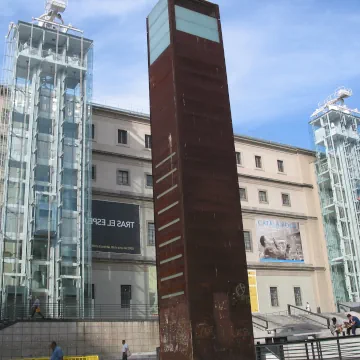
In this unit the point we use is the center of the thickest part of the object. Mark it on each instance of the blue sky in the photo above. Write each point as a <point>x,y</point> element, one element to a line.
<point>283,56</point>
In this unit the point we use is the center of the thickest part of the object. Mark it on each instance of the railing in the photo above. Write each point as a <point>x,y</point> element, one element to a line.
<point>343,307</point>
<point>260,322</point>
<point>342,348</point>
<point>132,312</point>
<point>87,357</point>
<point>316,318</point>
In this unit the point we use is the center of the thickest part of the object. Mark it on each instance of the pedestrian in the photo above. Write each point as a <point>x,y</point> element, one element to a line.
<point>36,309</point>
<point>308,308</point>
<point>353,324</point>
<point>335,328</point>
<point>125,350</point>
<point>57,353</point>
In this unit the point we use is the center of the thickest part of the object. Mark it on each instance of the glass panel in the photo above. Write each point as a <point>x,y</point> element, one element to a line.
<point>20,121</point>
<point>68,227</point>
<point>196,24</point>
<point>42,173</point>
<point>18,147</point>
<point>68,270</point>
<point>15,169</point>
<point>69,252</point>
<point>40,249</point>
<point>69,199</point>
<point>70,153</point>
<point>159,30</point>
<point>10,249</point>
<point>14,222</point>
<point>44,149</point>
<point>39,276</point>
<point>70,130</point>
<point>70,177</point>
<point>16,193</point>
<point>44,126</point>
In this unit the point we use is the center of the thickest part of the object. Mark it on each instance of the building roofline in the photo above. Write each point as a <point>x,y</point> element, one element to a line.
<point>146,118</point>
<point>20,22</point>
<point>270,143</point>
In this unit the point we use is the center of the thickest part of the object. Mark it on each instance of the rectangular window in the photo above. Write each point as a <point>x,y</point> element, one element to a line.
<point>297,295</point>
<point>243,194</point>
<point>149,180</point>
<point>238,158</point>
<point>125,296</point>
<point>93,131</point>
<point>122,137</point>
<point>274,296</point>
<point>148,141</point>
<point>258,162</point>
<point>93,291</point>
<point>151,234</point>
<point>93,172</point>
<point>280,164</point>
<point>285,199</point>
<point>247,241</point>
<point>263,196</point>
<point>122,177</point>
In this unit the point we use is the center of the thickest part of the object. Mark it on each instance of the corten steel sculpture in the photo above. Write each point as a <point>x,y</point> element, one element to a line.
<point>202,274</point>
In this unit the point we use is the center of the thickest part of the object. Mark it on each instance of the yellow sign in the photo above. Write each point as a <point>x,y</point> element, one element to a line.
<point>254,301</point>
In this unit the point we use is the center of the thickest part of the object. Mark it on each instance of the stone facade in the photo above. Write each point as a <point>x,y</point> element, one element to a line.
<point>32,339</point>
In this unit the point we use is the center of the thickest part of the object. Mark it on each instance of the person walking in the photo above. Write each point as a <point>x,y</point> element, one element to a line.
<point>36,309</point>
<point>308,308</point>
<point>125,350</point>
<point>57,353</point>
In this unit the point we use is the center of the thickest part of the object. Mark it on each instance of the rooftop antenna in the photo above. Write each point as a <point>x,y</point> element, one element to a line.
<point>337,99</point>
<point>52,16</point>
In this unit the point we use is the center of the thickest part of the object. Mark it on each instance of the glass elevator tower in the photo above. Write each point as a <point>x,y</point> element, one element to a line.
<point>45,159</point>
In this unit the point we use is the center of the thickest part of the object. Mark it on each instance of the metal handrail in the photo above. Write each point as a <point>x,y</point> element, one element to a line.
<point>256,319</point>
<point>131,312</point>
<point>342,305</point>
<point>309,313</point>
<point>325,348</point>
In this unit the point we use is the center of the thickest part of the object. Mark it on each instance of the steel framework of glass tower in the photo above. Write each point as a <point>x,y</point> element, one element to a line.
<point>45,158</point>
<point>336,136</point>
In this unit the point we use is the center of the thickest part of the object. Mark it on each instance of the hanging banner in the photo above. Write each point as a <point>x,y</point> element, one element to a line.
<point>279,241</point>
<point>153,297</point>
<point>254,301</point>
<point>115,227</point>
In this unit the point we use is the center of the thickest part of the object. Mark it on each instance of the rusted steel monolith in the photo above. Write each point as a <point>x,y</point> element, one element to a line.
<point>201,263</point>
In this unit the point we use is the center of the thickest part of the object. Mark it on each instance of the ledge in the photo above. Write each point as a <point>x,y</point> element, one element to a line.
<point>124,194</point>
<point>284,266</point>
<point>99,257</point>
<point>284,182</point>
<point>253,210</point>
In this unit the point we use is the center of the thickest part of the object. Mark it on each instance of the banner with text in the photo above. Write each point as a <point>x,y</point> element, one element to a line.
<point>254,301</point>
<point>279,241</point>
<point>115,227</point>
